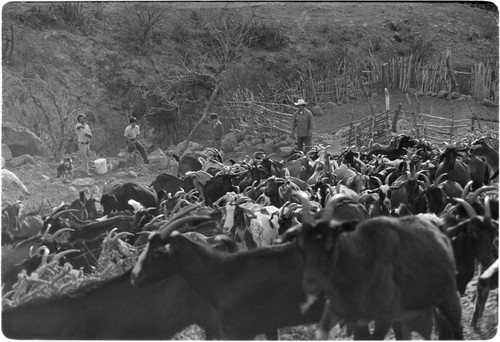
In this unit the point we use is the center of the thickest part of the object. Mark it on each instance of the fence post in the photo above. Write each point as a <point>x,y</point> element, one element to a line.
<point>387,99</point>
<point>452,126</point>
<point>472,119</point>
<point>396,118</point>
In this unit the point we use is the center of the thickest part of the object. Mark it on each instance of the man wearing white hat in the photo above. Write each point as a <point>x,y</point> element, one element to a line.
<point>303,125</point>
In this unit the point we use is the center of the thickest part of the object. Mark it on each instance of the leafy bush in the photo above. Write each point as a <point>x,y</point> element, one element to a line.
<point>421,49</point>
<point>489,32</point>
<point>267,36</point>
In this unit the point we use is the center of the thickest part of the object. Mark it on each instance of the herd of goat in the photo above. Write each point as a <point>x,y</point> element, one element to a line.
<point>242,248</point>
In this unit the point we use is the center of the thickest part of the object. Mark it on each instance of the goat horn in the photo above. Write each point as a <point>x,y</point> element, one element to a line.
<point>59,255</point>
<point>184,211</point>
<point>439,179</point>
<point>120,234</point>
<point>479,191</point>
<point>307,217</point>
<point>487,207</point>
<point>379,182</point>
<point>56,215</point>
<point>56,234</point>
<point>426,179</point>
<point>331,205</point>
<point>172,225</point>
<point>467,206</point>
<point>455,230</point>
<point>466,190</point>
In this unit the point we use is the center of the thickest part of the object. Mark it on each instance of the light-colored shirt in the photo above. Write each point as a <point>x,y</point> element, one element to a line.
<point>303,123</point>
<point>218,130</point>
<point>132,132</point>
<point>81,130</point>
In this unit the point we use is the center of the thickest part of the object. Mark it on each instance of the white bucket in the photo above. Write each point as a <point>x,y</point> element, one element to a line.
<point>101,167</point>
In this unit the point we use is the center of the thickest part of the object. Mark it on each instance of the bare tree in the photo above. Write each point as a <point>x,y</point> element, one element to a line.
<point>46,105</point>
<point>227,38</point>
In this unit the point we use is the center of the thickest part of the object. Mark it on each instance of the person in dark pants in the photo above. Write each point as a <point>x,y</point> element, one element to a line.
<point>302,125</point>
<point>132,131</point>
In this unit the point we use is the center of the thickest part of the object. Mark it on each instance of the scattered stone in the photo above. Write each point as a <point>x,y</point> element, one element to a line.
<point>286,151</point>
<point>89,181</point>
<point>455,95</point>
<point>442,94</point>
<point>121,174</point>
<point>397,38</point>
<point>419,93</point>
<point>132,174</point>
<point>21,160</point>
<point>317,111</point>
<point>22,141</point>
<point>228,144</point>
<point>45,178</point>
<point>488,103</point>
<point>434,94</point>
<point>429,93</point>
<point>6,152</point>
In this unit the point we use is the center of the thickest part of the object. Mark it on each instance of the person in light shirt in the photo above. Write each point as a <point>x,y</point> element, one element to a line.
<point>132,131</point>
<point>83,135</point>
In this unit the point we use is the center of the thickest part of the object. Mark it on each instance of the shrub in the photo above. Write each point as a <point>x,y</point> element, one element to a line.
<point>267,36</point>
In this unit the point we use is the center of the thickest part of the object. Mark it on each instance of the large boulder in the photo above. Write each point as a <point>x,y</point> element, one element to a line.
<point>21,160</point>
<point>6,152</point>
<point>191,147</point>
<point>317,111</point>
<point>229,143</point>
<point>286,151</point>
<point>161,161</point>
<point>22,141</point>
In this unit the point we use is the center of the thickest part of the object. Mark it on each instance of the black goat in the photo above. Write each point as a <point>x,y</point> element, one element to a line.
<point>117,196</point>
<point>217,187</point>
<point>187,163</point>
<point>171,184</point>
<point>114,310</point>
<point>472,239</point>
<point>254,292</point>
<point>380,269</point>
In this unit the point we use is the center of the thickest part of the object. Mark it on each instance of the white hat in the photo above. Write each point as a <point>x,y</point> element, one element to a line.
<point>300,102</point>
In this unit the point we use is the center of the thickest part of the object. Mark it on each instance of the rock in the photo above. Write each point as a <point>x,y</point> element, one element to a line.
<point>113,164</point>
<point>290,141</point>
<point>268,147</point>
<point>282,143</point>
<point>397,38</point>
<point>191,147</point>
<point>488,103</point>
<point>45,178</point>
<point>22,141</point>
<point>442,94</point>
<point>12,187</point>
<point>21,160</point>
<point>6,152</point>
<point>317,110</point>
<point>228,144</point>
<point>88,181</point>
<point>434,94</point>
<point>419,93</point>
<point>240,136</point>
<point>257,141</point>
<point>132,174</point>
<point>121,174</point>
<point>286,151</point>
<point>428,93</point>
<point>249,137</point>
<point>455,95</point>
<point>237,149</point>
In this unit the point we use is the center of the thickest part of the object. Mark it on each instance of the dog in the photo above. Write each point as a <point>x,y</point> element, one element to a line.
<point>65,169</point>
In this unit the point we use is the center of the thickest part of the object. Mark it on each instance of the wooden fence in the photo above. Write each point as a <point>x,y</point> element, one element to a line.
<point>269,118</point>
<point>347,81</point>
<point>376,127</point>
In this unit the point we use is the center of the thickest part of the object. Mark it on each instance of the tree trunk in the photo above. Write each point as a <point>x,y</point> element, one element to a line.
<point>202,119</point>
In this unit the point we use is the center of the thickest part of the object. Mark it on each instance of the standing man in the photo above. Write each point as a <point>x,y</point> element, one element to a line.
<point>132,131</point>
<point>303,125</point>
<point>218,131</point>
<point>83,135</point>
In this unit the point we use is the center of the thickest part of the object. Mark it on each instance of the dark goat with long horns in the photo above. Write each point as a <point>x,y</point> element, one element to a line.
<point>254,292</point>
<point>380,269</point>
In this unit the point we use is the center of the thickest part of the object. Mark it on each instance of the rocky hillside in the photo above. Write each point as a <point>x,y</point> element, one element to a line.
<point>159,61</point>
